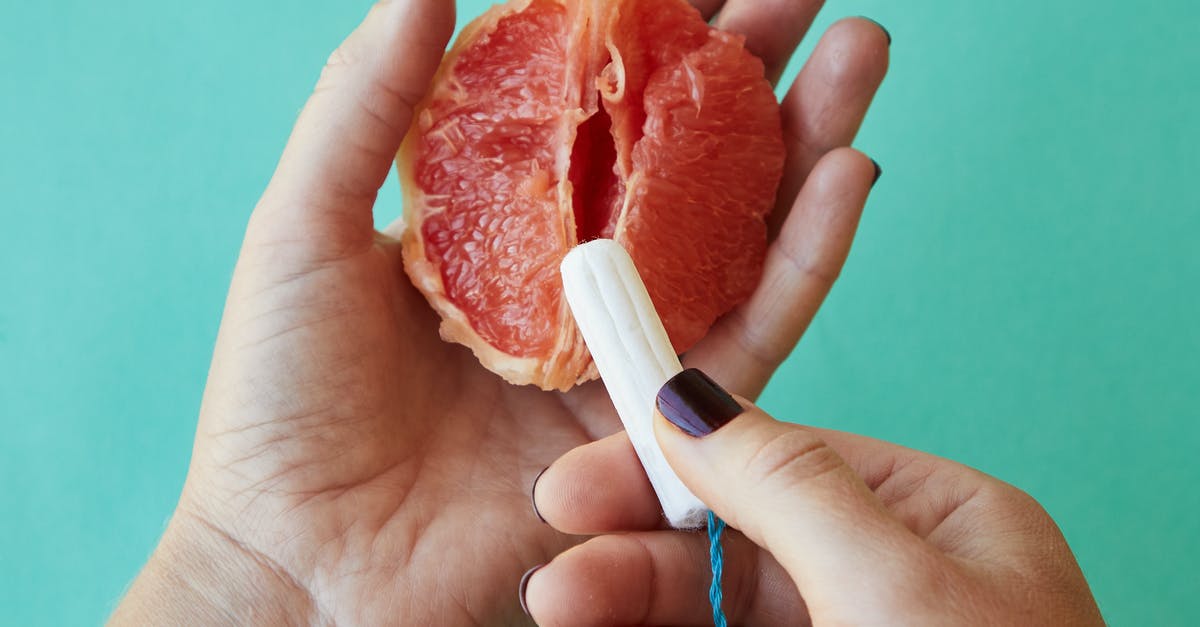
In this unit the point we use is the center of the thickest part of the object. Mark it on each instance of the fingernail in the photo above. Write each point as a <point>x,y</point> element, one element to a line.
<point>533,494</point>
<point>524,585</point>
<point>881,27</point>
<point>696,404</point>
<point>878,173</point>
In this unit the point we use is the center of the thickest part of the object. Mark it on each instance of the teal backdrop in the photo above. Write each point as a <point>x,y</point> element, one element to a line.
<point>1022,295</point>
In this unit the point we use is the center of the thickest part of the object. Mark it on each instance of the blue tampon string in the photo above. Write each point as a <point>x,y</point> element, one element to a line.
<point>716,556</point>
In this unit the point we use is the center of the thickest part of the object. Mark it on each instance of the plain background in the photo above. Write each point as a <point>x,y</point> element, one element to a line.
<point>1022,295</point>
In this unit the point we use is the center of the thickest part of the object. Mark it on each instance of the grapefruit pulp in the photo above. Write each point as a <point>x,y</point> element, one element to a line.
<point>553,122</point>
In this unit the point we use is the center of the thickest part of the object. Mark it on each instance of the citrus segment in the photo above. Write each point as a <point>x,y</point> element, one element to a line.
<point>553,122</point>
<point>695,223</point>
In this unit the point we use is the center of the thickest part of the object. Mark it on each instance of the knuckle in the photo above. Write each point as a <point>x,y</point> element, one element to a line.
<point>791,457</point>
<point>906,481</point>
<point>811,268</point>
<point>749,339</point>
<point>1017,505</point>
<point>1022,501</point>
<point>342,56</point>
<point>1042,550</point>
<point>336,64</point>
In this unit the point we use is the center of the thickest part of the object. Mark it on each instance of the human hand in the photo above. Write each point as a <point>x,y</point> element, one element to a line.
<point>835,529</point>
<point>351,467</point>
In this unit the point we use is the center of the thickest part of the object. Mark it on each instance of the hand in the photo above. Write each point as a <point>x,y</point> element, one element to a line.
<point>349,466</point>
<point>835,529</point>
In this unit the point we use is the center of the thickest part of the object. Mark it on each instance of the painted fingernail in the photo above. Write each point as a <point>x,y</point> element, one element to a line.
<point>878,173</point>
<point>525,584</point>
<point>696,404</point>
<point>881,27</point>
<point>533,494</point>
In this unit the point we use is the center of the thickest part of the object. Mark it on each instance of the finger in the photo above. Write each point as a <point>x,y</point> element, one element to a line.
<point>660,578</point>
<point>956,509</point>
<point>782,486</point>
<point>346,138</point>
<point>773,28</point>
<point>598,488</point>
<point>959,510</point>
<point>919,489</point>
<point>826,103</point>
<point>708,8</point>
<point>745,346</point>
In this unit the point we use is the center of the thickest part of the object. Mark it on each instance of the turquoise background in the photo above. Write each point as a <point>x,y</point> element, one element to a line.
<point>1022,295</point>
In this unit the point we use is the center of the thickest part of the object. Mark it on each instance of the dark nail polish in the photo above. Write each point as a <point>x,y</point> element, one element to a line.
<point>533,494</point>
<point>696,404</point>
<point>881,27</point>
<point>878,173</point>
<point>524,584</point>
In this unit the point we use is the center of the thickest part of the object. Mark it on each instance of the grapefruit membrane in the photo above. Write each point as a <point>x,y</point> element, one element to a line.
<point>553,122</point>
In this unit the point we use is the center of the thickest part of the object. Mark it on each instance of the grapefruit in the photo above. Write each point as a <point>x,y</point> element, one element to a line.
<point>553,122</point>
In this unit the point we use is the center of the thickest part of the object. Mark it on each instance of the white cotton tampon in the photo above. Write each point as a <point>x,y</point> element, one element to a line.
<point>634,356</point>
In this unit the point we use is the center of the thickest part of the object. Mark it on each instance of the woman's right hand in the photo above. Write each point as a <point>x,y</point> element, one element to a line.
<point>835,529</point>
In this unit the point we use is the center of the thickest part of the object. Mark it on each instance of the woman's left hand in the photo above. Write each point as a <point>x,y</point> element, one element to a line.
<point>351,467</point>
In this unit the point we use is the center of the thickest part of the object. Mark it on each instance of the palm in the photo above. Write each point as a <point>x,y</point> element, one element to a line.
<point>376,445</point>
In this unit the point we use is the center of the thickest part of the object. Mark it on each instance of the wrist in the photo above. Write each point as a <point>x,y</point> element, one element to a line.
<point>199,574</point>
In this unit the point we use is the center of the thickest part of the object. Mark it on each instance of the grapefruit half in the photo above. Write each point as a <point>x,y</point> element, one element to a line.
<point>553,122</point>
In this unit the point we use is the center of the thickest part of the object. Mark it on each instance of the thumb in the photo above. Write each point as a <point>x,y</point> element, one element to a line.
<point>346,138</point>
<point>782,486</point>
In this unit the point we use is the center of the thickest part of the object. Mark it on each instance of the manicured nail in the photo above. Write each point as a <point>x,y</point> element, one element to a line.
<point>878,173</point>
<point>524,585</point>
<point>881,27</point>
<point>533,494</point>
<point>696,404</point>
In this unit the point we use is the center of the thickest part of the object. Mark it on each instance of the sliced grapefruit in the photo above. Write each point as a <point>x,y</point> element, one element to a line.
<point>554,122</point>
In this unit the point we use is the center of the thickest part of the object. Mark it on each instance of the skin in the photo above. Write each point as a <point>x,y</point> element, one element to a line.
<point>832,529</point>
<point>350,467</point>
